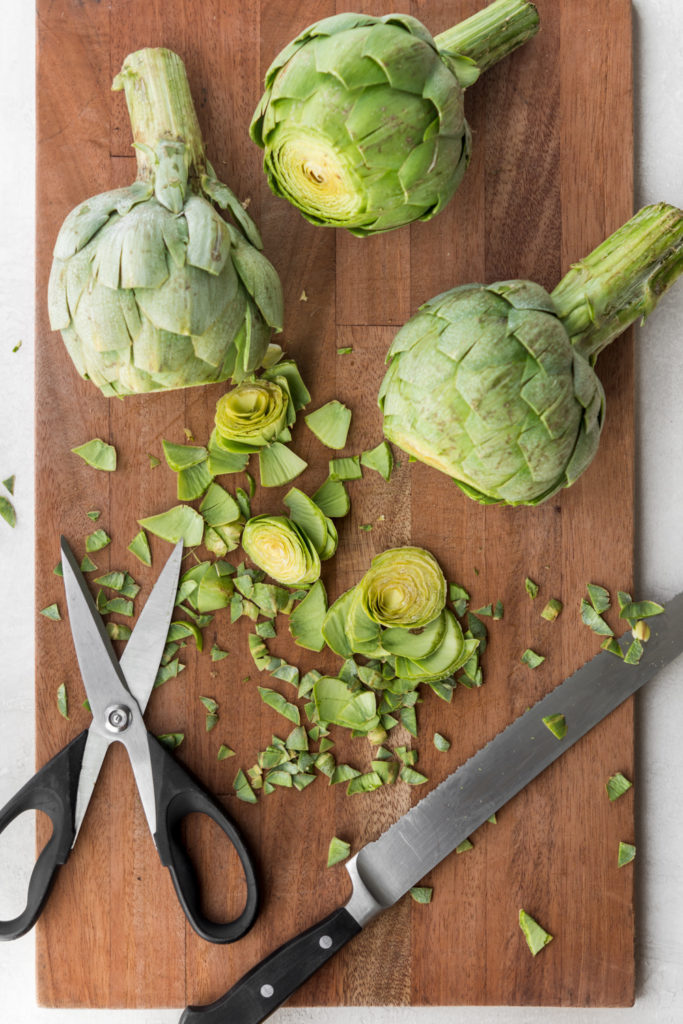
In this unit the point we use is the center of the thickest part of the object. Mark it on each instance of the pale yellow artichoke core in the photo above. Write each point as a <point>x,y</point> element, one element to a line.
<point>276,546</point>
<point>315,176</point>
<point>253,410</point>
<point>404,587</point>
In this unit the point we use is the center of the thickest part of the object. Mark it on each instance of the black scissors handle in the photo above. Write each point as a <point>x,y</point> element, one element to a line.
<point>177,793</point>
<point>52,790</point>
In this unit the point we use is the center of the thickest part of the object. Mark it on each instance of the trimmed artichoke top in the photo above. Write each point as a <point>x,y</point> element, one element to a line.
<point>362,120</point>
<point>150,287</point>
<point>494,384</point>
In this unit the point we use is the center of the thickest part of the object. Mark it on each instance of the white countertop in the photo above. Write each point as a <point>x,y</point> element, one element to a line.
<point>659,567</point>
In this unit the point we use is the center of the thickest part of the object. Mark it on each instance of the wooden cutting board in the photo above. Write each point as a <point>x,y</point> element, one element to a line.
<point>551,175</point>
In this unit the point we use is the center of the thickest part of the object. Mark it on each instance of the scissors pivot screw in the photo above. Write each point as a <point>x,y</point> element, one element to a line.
<point>117,718</point>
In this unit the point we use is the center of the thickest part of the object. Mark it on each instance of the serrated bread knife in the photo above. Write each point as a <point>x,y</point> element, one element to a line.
<point>387,868</point>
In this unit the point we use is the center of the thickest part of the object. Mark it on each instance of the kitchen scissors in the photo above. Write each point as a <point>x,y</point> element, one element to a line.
<point>118,692</point>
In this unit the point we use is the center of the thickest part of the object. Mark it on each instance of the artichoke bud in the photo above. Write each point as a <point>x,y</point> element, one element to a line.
<point>252,415</point>
<point>362,122</point>
<point>149,286</point>
<point>403,587</point>
<point>279,547</point>
<point>494,385</point>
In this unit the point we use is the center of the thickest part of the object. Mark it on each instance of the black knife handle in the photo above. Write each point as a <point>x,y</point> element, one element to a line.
<point>267,985</point>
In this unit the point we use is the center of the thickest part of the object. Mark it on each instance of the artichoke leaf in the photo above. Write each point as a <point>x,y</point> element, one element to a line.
<point>278,465</point>
<point>179,523</point>
<point>337,703</point>
<point>305,622</point>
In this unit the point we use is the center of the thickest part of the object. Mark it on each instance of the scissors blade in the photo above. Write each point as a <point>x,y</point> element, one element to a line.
<point>140,660</point>
<point>96,746</point>
<point>102,677</point>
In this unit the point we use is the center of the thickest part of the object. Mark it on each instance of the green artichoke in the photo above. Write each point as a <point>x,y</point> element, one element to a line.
<point>398,611</point>
<point>256,416</point>
<point>362,120</point>
<point>494,385</point>
<point>150,287</point>
<point>279,547</point>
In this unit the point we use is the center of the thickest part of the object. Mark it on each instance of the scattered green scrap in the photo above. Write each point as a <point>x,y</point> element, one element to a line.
<point>557,725</point>
<point>626,854</point>
<point>422,893</point>
<point>98,454</point>
<point>338,851</point>
<point>531,658</point>
<point>51,612</point>
<point>7,511</point>
<point>381,459</point>
<point>330,424</point>
<point>536,936</point>
<point>531,588</point>
<point>171,740</point>
<point>599,597</point>
<point>62,701</point>
<point>552,609</point>
<point>616,786</point>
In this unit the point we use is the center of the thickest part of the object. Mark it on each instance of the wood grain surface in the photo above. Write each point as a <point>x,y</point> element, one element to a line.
<point>551,175</point>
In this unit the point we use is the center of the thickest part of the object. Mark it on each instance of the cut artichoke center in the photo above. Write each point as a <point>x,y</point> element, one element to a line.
<point>316,178</point>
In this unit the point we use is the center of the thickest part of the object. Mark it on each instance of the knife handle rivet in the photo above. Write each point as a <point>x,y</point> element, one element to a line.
<point>325,942</point>
<point>267,991</point>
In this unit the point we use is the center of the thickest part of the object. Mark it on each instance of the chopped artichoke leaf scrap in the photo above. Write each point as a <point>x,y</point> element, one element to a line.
<point>441,743</point>
<point>97,540</point>
<point>224,752</point>
<point>98,454</point>
<point>278,703</point>
<point>626,854</point>
<point>332,498</point>
<point>536,936</point>
<point>171,740</point>
<point>557,724</point>
<point>278,465</point>
<point>243,789</point>
<point>179,523</point>
<point>636,610</point>
<point>531,588</point>
<point>347,468</point>
<point>87,564</point>
<point>599,597</point>
<point>94,515</point>
<point>51,612</point>
<point>337,851</point>
<point>381,459</point>
<point>532,659</point>
<point>464,846</point>
<point>9,483</point>
<point>611,644</point>
<point>421,893</point>
<point>593,620</point>
<point>7,511</point>
<point>330,424</point>
<point>552,609</point>
<point>183,456</point>
<point>634,653</point>
<point>139,546</point>
<point>306,620</point>
<point>616,786</point>
<point>62,701</point>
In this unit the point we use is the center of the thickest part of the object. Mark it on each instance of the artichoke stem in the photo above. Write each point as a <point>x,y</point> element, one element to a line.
<point>622,280</point>
<point>160,108</point>
<point>490,34</point>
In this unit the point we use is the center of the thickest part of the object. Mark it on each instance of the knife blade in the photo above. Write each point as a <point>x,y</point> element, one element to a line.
<point>384,870</point>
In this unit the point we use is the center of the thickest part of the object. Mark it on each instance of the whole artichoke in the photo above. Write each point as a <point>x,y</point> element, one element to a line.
<point>494,385</point>
<point>362,120</point>
<point>150,287</point>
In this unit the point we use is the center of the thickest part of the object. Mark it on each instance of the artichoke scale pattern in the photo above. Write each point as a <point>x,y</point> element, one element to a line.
<point>151,288</point>
<point>485,385</point>
<point>363,124</point>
